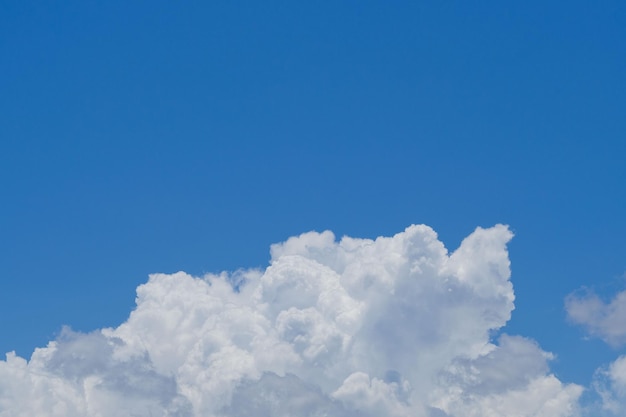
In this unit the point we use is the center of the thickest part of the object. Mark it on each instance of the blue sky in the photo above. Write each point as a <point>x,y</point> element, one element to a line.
<point>159,137</point>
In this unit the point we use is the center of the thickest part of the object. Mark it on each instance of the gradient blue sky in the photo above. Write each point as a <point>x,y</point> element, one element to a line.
<point>156,136</point>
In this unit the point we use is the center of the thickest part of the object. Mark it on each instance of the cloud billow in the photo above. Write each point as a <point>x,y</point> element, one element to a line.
<point>395,326</point>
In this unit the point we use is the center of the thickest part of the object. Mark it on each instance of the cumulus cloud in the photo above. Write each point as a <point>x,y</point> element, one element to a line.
<point>605,320</point>
<point>609,382</point>
<point>395,326</point>
<point>600,319</point>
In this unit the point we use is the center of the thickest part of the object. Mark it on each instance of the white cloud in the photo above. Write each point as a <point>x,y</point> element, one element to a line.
<point>395,326</point>
<point>610,384</point>
<point>510,380</point>
<point>604,320</point>
<point>607,321</point>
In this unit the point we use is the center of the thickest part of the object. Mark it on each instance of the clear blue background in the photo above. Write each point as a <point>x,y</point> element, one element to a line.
<point>157,136</point>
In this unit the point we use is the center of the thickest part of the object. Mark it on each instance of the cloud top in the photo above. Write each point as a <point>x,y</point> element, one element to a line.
<point>394,326</point>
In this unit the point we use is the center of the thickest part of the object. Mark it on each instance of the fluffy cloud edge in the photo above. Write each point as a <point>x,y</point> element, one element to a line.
<point>395,326</point>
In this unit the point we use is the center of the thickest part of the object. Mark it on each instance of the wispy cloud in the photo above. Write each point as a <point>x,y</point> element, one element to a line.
<point>606,320</point>
<point>395,326</point>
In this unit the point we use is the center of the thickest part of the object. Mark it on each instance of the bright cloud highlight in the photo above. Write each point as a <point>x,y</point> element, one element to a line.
<point>395,326</point>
